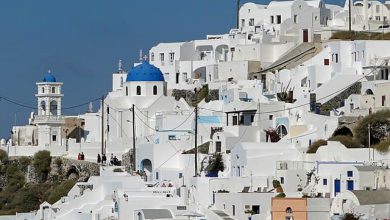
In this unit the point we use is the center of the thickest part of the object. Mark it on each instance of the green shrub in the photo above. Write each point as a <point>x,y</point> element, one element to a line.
<point>281,195</point>
<point>383,146</point>
<point>60,191</point>
<point>3,156</point>
<point>58,162</point>
<point>216,164</point>
<point>24,163</point>
<point>15,178</point>
<point>377,121</point>
<point>347,141</point>
<point>315,145</point>
<point>350,216</point>
<point>275,183</point>
<point>41,163</point>
<point>118,170</point>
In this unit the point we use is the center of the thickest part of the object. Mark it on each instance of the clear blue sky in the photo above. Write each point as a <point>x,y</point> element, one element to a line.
<point>82,41</point>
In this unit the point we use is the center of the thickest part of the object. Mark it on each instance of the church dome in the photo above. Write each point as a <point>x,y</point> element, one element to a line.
<point>49,77</point>
<point>145,72</point>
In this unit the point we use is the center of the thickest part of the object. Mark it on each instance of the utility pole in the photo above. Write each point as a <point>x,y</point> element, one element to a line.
<point>238,14</point>
<point>196,140</point>
<point>102,123</point>
<point>134,163</point>
<point>349,15</point>
<point>369,142</point>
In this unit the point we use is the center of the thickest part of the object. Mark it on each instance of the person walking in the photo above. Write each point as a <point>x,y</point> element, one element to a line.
<point>98,158</point>
<point>82,156</point>
<point>104,159</point>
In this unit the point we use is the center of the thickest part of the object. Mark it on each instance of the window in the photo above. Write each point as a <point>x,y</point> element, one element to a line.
<point>54,138</point>
<point>171,57</point>
<point>336,57</point>
<point>185,79</point>
<point>43,90</point>
<point>234,210</point>
<point>289,210</point>
<point>152,56</point>
<point>154,90</point>
<point>252,22</point>
<point>177,78</point>
<point>384,18</point>
<point>127,91</point>
<point>161,56</point>
<point>325,182</point>
<point>256,209</point>
<point>235,120</point>
<point>138,90</point>
<point>295,19</point>
<point>53,89</point>
<point>383,100</point>
<point>156,175</point>
<point>281,180</point>
<point>271,117</point>
<point>171,137</point>
<point>278,19</point>
<point>252,118</point>
<point>218,147</point>
<point>378,18</point>
<point>272,19</point>
<point>349,173</point>
<point>242,22</point>
<point>326,62</point>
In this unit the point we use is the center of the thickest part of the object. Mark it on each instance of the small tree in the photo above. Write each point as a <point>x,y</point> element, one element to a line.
<point>216,164</point>
<point>272,135</point>
<point>347,141</point>
<point>41,163</point>
<point>350,216</point>
<point>379,125</point>
<point>315,145</point>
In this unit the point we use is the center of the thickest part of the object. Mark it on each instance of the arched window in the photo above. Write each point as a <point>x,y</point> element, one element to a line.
<point>43,107</point>
<point>43,89</point>
<point>127,91</point>
<point>289,210</point>
<point>138,90</point>
<point>154,90</point>
<point>53,108</point>
<point>53,89</point>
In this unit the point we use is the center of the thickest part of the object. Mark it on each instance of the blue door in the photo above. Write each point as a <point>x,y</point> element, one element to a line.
<point>350,184</point>
<point>336,186</point>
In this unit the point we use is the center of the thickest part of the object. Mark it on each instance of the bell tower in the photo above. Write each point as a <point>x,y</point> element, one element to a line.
<point>49,117</point>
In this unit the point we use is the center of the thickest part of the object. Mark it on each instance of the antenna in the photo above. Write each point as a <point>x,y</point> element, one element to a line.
<point>120,66</point>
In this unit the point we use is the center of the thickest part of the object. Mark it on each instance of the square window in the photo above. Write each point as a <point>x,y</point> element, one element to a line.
<point>325,182</point>
<point>256,209</point>
<point>171,137</point>
<point>349,173</point>
<point>54,138</point>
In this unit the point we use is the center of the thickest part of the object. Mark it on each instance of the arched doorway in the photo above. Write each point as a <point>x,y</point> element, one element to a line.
<point>343,131</point>
<point>146,164</point>
<point>369,92</point>
<point>282,130</point>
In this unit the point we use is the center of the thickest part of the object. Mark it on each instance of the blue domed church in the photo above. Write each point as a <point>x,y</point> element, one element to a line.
<point>144,80</point>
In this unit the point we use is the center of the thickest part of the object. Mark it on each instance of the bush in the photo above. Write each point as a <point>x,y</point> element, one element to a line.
<point>272,135</point>
<point>118,170</point>
<point>383,146</point>
<point>281,195</point>
<point>377,121</point>
<point>3,156</point>
<point>216,164</point>
<point>58,162</point>
<point>60,191</point>
<point>275,183</point>
<point>42,161</point>
<point>15,178</point>
<point>24,163</point>
<point>315,145</point>
<point>350,216</point>
<point>347,141</point>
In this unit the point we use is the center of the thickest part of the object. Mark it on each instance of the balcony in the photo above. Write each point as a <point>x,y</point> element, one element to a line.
<point>41,119</point>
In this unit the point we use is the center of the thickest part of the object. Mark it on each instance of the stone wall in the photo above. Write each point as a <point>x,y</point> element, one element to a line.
<point>338,101</point>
